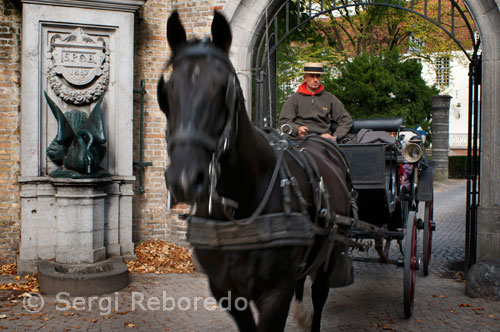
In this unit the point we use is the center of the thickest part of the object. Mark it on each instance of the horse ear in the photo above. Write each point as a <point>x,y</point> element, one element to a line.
<point>161,94</point>
<point>176,35</point>
<point>221,32</point>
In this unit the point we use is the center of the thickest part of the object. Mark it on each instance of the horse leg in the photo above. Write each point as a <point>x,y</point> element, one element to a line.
<point>243,318</point>
<point>273,309</point>
<point>320,289</point>
<point>302,316</point>
<point>242,314</point>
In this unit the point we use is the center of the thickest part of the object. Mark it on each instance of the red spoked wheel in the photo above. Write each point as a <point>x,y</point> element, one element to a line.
<point>428,230</point>
<point>410,263</point>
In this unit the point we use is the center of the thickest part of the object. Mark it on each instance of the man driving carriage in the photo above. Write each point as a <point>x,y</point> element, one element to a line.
<point>311,110</point>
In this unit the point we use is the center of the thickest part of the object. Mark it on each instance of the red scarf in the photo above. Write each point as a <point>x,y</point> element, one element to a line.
<point>303,90</point>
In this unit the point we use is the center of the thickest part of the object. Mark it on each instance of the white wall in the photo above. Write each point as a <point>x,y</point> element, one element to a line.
<point>458,90</point>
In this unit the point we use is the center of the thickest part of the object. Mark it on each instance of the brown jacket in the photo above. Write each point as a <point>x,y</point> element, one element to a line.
<point>316,112</point>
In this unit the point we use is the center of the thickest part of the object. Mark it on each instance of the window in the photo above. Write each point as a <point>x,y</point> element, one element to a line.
<point>443,72</point>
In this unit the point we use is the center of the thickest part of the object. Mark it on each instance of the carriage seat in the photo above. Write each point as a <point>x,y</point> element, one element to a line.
<point>375,124</point>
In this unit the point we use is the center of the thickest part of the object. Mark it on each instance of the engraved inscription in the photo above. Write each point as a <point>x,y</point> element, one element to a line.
<point>79,67</point>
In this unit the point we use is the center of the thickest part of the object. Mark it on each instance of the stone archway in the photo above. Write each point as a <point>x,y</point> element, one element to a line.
<point>486,14</point>
<point>245,15</point>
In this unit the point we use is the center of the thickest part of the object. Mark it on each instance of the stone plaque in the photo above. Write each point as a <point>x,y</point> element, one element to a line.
<point>78,67</point>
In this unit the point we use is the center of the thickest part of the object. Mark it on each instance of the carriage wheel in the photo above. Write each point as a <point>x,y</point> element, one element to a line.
<point>410,263</point>
<point>428,229</point>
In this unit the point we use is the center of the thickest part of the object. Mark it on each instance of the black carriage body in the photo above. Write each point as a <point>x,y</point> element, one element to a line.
<point>375,177</point>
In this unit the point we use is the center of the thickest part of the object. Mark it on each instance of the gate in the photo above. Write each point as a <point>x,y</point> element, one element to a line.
<point>286,17</point>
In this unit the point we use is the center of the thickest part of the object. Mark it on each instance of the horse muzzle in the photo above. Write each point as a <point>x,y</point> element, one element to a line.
<point>187,179</point>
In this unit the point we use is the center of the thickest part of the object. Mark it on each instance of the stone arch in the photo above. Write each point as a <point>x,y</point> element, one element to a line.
<point>486,14</point>
<point>244,17</point>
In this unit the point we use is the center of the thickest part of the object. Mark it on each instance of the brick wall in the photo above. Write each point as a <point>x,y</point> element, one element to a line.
<point>152,218</point>
<point>10,64</point>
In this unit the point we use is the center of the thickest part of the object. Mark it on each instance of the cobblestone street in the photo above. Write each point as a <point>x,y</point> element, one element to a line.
<point>373,303</point>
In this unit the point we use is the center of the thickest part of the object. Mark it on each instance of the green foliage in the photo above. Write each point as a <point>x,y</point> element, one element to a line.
<point>457,167</point>
<point>289,64</point>
<point>383,86</point>
<point>359,45</point>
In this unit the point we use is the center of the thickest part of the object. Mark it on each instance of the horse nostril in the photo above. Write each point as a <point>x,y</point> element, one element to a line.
<point>199,182</point>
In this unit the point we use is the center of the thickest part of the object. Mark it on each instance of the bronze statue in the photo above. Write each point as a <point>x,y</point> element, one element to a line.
<point>78,147</point>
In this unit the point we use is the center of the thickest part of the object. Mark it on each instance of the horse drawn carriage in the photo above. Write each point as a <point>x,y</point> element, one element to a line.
<point>391,178</point>
<point>267,211</point>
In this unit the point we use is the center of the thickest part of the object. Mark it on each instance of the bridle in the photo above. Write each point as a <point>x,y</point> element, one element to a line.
<point>218,147</point>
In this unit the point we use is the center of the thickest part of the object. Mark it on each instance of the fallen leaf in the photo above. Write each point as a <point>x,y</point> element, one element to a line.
<point>122,312</point>
<point>440,296</point>
<point>464,305</point>
<point>8,269</point>
<point>158,256</point>
<point>478,309</point>
<point>31,285</point>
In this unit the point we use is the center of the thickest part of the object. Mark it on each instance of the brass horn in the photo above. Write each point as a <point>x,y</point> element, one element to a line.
<point>412,152</point>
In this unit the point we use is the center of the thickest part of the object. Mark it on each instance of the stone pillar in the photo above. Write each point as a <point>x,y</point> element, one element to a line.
<point>39,222</point>
<point>111,238</point>
<point>440,135</point>
<point>80,220</point>
<point>125,224</point>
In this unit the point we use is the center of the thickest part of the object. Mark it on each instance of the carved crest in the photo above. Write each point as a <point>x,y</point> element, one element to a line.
<point>78,67</point>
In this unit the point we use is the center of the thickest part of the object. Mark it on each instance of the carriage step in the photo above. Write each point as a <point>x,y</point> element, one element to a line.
<point>433,226</point>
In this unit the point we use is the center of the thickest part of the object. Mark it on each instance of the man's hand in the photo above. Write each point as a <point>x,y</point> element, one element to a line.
<point>326,135</point>
<point>302,130</point>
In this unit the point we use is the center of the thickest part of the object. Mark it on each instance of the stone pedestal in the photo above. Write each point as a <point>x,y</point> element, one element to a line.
<point>80,220</point>
<point>440,135</point>
<point>76,52</point>
<point>75,221</point>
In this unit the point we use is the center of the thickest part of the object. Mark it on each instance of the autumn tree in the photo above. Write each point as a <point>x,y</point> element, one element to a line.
<point>337,37</point>
<point>379,86</point>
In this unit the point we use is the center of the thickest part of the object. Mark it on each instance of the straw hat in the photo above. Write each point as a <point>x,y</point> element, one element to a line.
<point>313,68</point>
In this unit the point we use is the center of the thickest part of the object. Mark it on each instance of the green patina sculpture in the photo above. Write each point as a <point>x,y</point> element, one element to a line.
<point>78,147</point>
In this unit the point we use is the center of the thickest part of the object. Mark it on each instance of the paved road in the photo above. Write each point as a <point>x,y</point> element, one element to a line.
<point>373,303</point>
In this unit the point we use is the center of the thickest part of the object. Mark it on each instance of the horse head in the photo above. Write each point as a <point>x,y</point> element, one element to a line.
<point>199,100</point>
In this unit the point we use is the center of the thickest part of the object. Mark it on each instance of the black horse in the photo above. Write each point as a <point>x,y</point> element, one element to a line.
<point>241,181</point>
